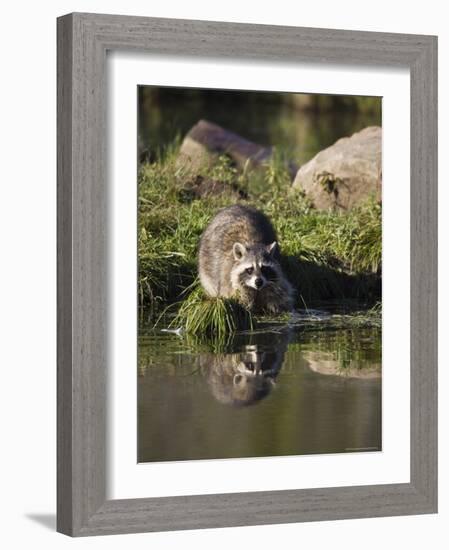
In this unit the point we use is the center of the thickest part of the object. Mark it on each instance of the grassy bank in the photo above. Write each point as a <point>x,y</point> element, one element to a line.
<point>326,255</point>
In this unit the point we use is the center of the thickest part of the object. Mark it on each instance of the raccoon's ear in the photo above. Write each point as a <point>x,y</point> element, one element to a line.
<point>272,248</point>
<point>238,250</point>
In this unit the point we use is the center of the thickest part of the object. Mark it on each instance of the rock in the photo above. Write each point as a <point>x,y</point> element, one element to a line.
<point>206,141</point>
<point>346,173</point>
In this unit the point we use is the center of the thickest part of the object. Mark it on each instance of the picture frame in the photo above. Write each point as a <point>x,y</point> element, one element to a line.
<point>83,41</point>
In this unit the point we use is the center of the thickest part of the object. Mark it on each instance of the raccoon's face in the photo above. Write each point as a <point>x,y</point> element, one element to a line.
<point>245,377</point>
<point>255,266</point>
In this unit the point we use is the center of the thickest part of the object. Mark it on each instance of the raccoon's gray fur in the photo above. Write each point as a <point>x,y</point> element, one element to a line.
<point>239,257</point>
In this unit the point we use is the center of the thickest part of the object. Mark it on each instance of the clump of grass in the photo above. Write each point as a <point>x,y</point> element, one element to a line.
<point>216,318</point>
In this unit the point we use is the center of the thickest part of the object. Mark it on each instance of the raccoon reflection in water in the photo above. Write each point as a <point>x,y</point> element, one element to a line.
<point>247,375</point>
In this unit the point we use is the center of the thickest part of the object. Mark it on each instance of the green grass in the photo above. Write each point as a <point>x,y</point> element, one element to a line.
<point>326,255</point>
<point>216,318</point>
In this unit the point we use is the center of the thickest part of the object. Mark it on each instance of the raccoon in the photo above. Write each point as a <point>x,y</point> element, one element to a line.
<point>239,257</point>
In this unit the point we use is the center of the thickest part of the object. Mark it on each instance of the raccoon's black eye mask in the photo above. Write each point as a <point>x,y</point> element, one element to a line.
<point>268,272</point>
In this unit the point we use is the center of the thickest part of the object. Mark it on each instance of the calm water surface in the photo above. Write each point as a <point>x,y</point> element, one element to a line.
<point>282,390</point>
<point>265,118</point>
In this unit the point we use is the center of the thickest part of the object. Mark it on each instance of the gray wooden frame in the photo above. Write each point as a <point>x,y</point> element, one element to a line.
<point>83,40</point>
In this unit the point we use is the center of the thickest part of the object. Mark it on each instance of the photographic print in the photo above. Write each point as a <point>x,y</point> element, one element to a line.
<point>259,274</point>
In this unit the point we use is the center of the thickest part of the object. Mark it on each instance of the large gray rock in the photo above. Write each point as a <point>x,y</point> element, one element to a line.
<point>346,173</point>
<point>206,141</point>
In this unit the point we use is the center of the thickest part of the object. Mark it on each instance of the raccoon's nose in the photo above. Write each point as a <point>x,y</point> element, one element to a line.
<point>258,282</point>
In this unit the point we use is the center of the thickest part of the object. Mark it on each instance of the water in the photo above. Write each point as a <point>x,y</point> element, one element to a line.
<point>303,388</point>
<point>265,118</point>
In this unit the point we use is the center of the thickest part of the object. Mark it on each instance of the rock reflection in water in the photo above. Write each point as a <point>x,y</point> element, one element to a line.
<point>324,363</point>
